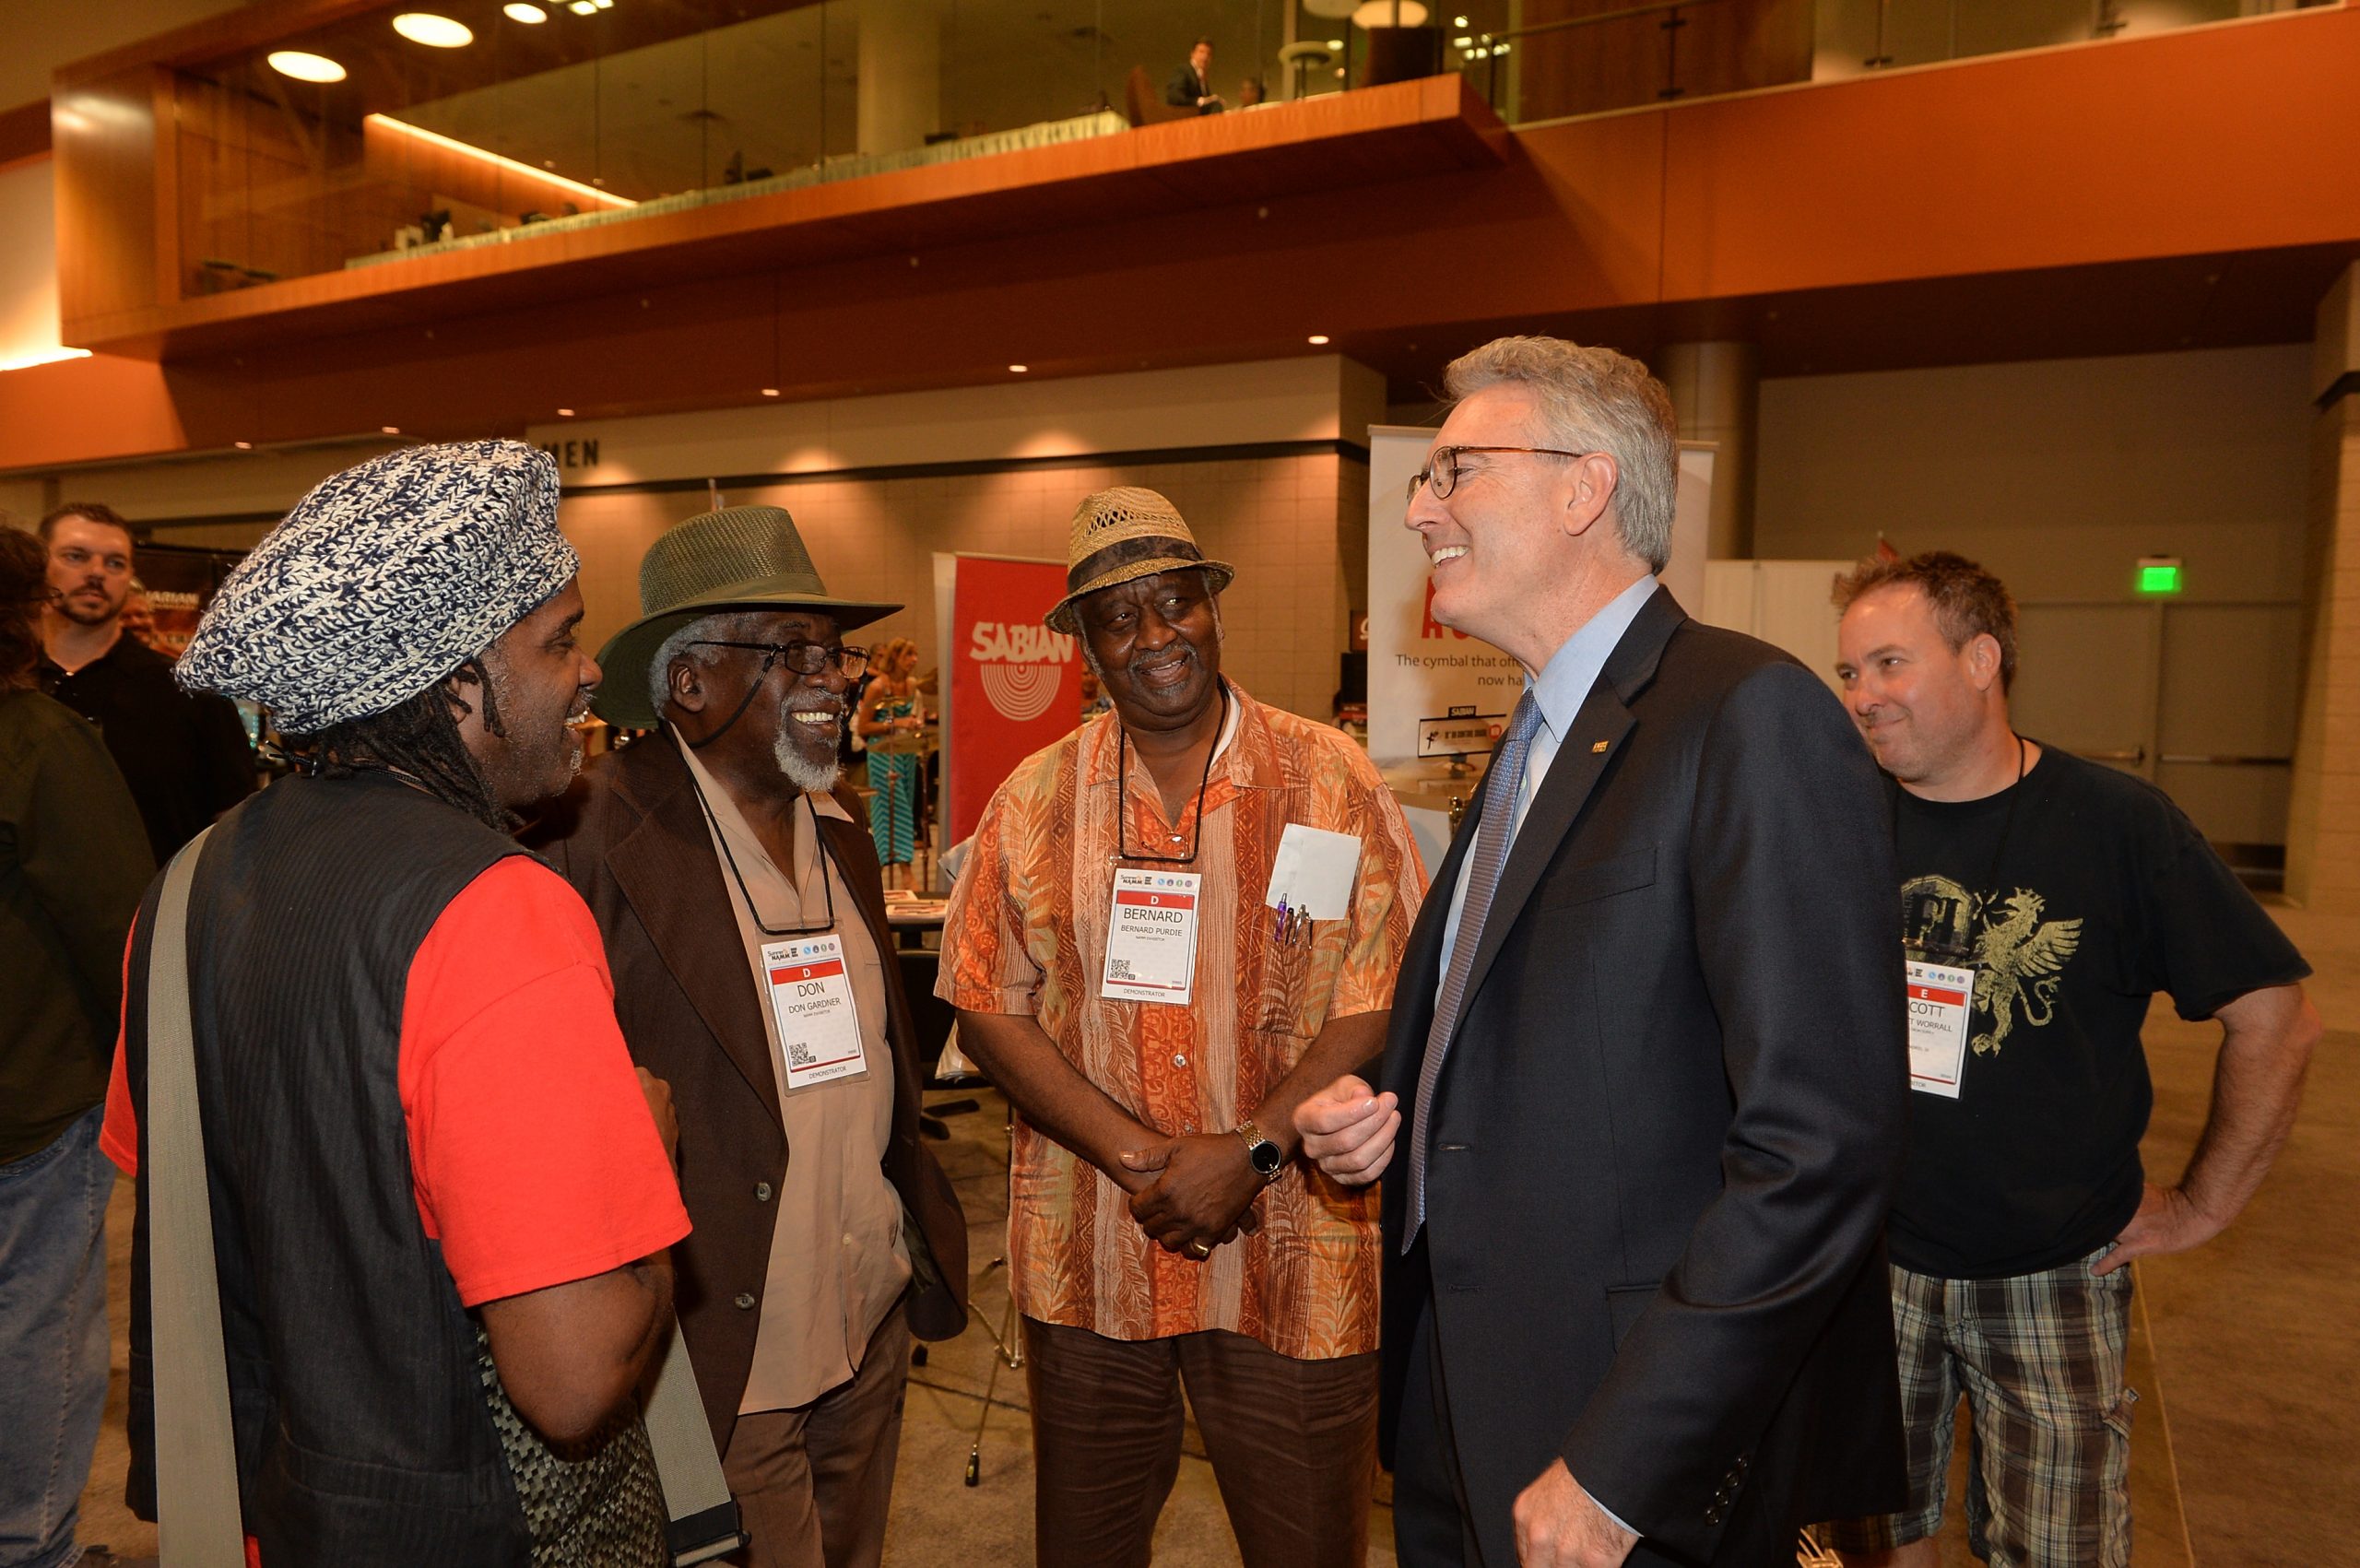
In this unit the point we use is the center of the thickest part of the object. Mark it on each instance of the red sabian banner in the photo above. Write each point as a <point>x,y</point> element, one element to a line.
<point>1015,685</point>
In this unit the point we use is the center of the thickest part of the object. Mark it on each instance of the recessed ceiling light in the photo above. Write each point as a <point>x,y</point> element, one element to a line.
<point>582,8</point>
<point>435,32</point>
<point>304,67</point>
<point>1316,338</point>
<point>391,429</point>
<point>565,413</point>
<point>770,391</point>
<point>243,445</point>
<point>531,16</point>
<point>1017,369</point>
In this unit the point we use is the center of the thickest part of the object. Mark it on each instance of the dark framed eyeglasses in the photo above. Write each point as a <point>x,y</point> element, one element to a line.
<point>802,657</point>
<point>1441,472</point>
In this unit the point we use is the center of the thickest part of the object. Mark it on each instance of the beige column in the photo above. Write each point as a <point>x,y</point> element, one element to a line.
<point>901,74</point>
<point>2323,817</point>
<point>1714,390</point>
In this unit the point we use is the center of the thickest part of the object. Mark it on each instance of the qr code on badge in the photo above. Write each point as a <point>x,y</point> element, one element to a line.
<point>798,1054</point>
<point>1119,969</point>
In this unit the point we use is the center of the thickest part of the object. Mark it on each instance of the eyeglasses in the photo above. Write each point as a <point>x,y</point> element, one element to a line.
<point>1441,472</point>
<point>802,657</point>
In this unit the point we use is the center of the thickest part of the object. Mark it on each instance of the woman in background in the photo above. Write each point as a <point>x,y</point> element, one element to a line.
<point>890,720</point>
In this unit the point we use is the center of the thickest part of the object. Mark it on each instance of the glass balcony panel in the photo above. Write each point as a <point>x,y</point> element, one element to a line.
<point>601,110</point>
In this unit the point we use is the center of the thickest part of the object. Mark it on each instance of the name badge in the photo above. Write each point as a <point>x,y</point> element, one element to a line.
<point>818,1027</point>
<point>1940,999</point>
<point>1152,937</point>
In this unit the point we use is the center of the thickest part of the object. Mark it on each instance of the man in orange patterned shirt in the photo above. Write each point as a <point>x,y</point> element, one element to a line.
<point>1162,1230</point>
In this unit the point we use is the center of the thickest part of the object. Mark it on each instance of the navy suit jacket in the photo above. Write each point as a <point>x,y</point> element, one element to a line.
<point>1670,1118</point>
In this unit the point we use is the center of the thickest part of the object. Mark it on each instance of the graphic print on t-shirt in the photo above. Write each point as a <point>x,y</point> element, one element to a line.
<point>2019,958</point>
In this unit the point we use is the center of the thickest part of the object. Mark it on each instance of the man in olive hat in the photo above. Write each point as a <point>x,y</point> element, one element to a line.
<point>737,888</point>
<point>421,1122</point>
<point>1174,925</point>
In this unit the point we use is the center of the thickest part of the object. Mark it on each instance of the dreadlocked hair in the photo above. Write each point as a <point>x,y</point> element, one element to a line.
<point>419,737</point>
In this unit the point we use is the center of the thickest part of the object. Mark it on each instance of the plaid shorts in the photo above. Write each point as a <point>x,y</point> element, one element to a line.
<point>2040,1359</point>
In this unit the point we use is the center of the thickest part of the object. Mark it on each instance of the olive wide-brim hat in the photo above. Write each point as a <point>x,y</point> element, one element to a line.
<point>1120,535</point>
<point>740,558</point>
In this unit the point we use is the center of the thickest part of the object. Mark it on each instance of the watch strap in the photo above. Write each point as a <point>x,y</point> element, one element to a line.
<point>1254,1143</point>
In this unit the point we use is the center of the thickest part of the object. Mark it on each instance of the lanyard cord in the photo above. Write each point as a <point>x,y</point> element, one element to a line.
<point>761,676</point>
<point>1123,793</point>
<point>819,845</point>
<point>1999,849</point>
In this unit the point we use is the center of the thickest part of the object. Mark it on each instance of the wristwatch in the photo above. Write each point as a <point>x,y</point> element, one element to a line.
<point>1266,1156</point>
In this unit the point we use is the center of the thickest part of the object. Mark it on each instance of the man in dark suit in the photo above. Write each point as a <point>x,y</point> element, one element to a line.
<point>737,888</point>
<point>1647,1052</point>
<point>1191,85</point>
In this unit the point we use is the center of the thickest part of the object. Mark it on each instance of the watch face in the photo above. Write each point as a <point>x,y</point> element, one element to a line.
<point>1266,1157</point>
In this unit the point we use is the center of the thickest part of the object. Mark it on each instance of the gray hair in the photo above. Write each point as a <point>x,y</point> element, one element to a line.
<point>723,625</point>
<point>1594,400</point>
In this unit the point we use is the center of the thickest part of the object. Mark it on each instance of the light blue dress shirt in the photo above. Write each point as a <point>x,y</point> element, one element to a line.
<point>1565,684</point>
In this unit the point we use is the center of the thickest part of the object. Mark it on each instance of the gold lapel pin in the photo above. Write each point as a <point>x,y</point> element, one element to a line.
<point>1598,746</point>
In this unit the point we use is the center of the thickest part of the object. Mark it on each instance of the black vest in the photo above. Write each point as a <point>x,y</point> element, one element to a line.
<point>363,1438</point>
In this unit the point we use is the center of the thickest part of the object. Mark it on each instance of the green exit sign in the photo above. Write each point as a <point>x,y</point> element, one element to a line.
<point>2159,574</point>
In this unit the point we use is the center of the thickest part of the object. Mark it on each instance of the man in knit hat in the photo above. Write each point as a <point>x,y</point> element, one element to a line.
<point>425,1139</point>
<point>1174,925</point>
<point>735,884</point>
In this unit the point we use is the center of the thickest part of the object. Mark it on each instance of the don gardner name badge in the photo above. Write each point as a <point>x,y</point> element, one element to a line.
<point>1940,1000</point>
<point>819,1028</point>
<point>1152,937</point>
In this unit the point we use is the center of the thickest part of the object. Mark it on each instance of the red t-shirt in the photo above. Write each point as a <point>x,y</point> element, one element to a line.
<point>533,1157</point>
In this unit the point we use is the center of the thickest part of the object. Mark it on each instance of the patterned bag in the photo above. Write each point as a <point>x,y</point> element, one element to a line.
<point>598,1505</point>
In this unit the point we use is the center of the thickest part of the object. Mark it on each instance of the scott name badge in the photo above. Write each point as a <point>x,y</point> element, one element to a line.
<point>1152,937</point>
<point>818,1027</point>
<point>1940,999</point>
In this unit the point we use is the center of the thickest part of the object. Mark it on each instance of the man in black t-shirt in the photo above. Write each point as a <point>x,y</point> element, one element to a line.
<point>185,755</point>
<point>2044,900</point>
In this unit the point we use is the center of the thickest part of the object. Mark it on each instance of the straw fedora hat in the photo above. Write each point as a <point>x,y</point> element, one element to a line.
<point>738,558</point>
<point>1121,534</point>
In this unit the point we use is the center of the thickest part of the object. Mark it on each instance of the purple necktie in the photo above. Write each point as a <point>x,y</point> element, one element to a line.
<point>1488,855</point>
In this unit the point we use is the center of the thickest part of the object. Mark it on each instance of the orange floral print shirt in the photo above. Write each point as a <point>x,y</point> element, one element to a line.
<point>1026,934</point>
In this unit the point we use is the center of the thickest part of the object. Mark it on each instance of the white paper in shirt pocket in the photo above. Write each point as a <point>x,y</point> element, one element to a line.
<point>1313,872</point>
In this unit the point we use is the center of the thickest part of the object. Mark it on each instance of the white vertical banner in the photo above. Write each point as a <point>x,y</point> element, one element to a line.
<point>1690,526</point>
<point>1430,688</point>
<point>946,582</point>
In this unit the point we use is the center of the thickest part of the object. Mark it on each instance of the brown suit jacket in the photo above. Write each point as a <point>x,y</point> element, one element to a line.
<point>631,836</point>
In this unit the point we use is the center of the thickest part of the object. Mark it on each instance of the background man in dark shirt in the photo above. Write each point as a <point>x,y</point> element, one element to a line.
<point>1191,85</point>
<point>184,755</point>
<point>2045,901</point>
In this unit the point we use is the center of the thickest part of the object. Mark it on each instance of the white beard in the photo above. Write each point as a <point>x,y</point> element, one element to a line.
<point>816,778</point>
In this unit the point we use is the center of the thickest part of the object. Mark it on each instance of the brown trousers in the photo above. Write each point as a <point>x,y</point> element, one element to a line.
<point>813,1484</point>
<point>1292,1444</point>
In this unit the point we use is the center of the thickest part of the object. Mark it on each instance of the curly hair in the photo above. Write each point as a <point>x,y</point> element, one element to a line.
<point>24,589</point>
<point>1968,601</point>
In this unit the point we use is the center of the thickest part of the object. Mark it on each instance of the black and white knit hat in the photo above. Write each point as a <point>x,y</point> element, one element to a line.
<point>382,581</point>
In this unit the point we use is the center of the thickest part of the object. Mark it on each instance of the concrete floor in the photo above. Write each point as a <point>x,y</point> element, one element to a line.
<point>2247,1446</point>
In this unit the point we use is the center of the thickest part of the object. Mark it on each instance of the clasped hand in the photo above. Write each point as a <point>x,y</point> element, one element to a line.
<point>1198,1189</point>
<point>1348,1130</point>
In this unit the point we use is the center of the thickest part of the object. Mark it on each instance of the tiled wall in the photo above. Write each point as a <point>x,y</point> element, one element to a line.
<point>1275,519</point>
